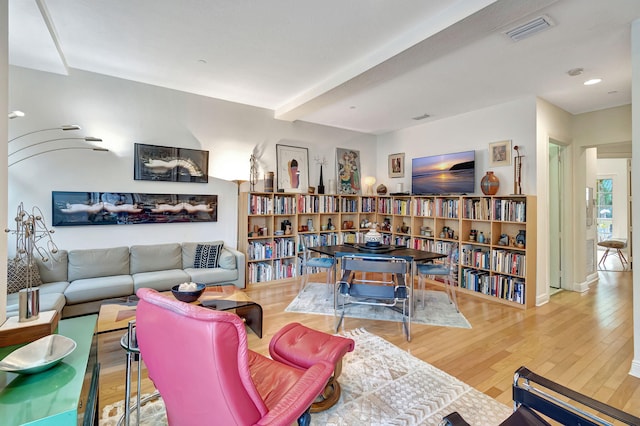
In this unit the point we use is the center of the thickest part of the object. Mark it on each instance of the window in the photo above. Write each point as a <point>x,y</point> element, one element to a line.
<point>604,209</point>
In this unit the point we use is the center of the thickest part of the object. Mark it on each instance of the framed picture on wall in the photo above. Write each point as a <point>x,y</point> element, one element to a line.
<point>170,164</point>
<point>500,153</point>
<point>293,168</point>
<point>348,168</point>
<point>396,165</point>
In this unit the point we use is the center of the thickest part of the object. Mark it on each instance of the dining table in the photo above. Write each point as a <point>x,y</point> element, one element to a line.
<point>410,255</point>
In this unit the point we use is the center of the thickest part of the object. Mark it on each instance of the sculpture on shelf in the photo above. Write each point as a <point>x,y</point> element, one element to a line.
<point>517,171</point>
<point>32,237</point>
<point>322,162</point>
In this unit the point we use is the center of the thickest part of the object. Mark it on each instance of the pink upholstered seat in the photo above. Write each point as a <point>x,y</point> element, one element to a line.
<point>199,361</point>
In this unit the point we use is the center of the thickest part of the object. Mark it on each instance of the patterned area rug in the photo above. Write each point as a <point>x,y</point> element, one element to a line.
<point>315,299</point>
<point>381,385</point>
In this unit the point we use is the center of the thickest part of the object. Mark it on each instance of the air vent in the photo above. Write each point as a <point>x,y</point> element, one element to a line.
<point>421,117</point>
<point>530,28</point>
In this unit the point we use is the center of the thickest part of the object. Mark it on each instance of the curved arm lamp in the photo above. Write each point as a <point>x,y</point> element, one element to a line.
<point>59,149</point>
<point>86,139</point>
<point>63,127</point>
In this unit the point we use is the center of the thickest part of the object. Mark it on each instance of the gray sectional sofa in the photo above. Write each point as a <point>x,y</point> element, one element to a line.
<point>81,280</point>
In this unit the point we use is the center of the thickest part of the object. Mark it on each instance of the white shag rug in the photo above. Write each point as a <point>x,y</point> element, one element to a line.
<point>438,310</point>
<point>381,385</point>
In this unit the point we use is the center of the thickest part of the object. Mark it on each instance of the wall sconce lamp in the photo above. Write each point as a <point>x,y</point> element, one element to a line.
<point>64,127</point>
<point>59,149</point>
<point>369,181</point>
<point>86,139</point>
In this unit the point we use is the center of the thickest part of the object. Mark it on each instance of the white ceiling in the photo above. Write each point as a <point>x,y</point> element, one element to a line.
<point>365,65</point>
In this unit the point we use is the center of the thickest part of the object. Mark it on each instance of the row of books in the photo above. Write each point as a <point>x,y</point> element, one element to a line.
<point>401,207</point>
<point>349,205</point>
<point>510,210</point>
<point>508,262</point>
<point>280,247</point>
<point>284,205</point>
<point>367,205</point>
<point>262,272</point>
<point>259,204</point>
<point>447,207</point>
<point>384,205</point>
<point>502,286</point>
<point>475,256</point>
<point>422,207</point>
<point>478,209</point>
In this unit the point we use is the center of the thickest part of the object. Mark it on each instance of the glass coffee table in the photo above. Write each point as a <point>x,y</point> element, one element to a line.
<point>116,315</point>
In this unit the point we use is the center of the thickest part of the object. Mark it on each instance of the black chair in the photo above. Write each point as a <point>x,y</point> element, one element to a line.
<point>535,396</point>
<point>387,289</point>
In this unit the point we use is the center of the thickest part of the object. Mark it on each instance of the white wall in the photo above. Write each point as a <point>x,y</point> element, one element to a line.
<point>4,109</point>
<point>616,169</point>
<point>471,131</point>
<point>123,112</point>
<point>635,177</point>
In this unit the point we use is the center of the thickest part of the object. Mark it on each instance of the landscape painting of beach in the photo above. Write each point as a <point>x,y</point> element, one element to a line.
<point>443,174</point>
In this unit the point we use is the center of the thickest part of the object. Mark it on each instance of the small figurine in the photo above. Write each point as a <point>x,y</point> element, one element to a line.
<point>504,240</point>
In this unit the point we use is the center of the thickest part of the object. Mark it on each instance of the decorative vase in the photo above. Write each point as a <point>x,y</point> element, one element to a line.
<point>521,239</point>
<point>268,182</point>
<point>490,184</point>
<point>321,183</point>
<point>381,189</point>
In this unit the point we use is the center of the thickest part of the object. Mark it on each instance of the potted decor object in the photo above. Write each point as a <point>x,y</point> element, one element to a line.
<point>490,184</point>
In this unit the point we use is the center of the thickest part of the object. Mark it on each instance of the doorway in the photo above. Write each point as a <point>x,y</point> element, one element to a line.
<point>557,153</point>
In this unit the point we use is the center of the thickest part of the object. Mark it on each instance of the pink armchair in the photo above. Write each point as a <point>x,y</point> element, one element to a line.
<point>199,361</point>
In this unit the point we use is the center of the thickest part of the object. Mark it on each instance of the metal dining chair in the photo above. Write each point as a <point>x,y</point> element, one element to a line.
<point>312,264</point>
<point>447,269</point>
<point>390,290</point>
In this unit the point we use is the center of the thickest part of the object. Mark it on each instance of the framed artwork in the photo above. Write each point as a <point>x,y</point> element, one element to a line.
<point>396,165</point>
<point>126,208</point>
<point>169,164</point>
<point>500,153</point>
<point>348,168</point>
<point>293,168</point>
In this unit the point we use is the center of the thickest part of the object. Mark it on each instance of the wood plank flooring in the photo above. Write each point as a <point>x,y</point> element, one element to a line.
<point>581,340</point>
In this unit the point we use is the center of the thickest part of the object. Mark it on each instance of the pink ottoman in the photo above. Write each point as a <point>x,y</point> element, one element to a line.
<point>301,347</point>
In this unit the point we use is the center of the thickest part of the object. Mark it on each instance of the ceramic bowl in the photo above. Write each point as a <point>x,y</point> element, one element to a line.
<point>187,296</point>
<point>38,356</point>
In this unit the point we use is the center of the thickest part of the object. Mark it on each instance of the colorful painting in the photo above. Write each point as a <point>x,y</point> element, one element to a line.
<point>125,208</point>
<point>169,164</point>
<point>348,168</point>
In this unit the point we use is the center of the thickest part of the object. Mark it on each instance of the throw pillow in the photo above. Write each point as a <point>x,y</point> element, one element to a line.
<point>207,256</point>
<point>227,260</point>
<point>17,273</point>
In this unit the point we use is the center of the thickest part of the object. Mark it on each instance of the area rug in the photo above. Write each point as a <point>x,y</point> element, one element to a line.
<point>381,385</point>
<point>315,299</point>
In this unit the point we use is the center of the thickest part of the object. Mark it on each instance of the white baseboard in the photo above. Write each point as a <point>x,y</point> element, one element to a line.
<point>635,368</point>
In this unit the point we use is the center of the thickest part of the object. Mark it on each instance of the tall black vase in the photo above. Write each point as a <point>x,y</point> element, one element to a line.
<point>321,184</point>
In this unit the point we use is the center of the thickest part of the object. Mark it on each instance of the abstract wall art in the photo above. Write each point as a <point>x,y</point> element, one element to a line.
<point>169,164</point>
<point>125,208</point>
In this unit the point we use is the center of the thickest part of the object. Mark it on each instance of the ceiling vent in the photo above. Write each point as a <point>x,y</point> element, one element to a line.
<point>421,117</point>
<point>530,28</point>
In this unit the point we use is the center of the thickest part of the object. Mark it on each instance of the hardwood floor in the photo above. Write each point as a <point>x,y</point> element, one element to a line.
<point>581,340</point>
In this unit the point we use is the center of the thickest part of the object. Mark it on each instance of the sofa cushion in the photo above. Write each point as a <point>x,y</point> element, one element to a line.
<point>92,263</point>
<point>155,257</point>
<point>189,252</point>
<point>207,256</point>
<point>19,274</point>
<point>90,289</point>
<point>55,269</point>
<point>228,260</point>
<point>48,302</point>
<point>212,275</point>
<point>159,280</point>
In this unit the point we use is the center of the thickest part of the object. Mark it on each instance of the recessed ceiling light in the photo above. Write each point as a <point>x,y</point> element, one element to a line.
<point>202,61</point>
<point>592,81</point>
<point>612,92</point>
<point>352,107</point>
